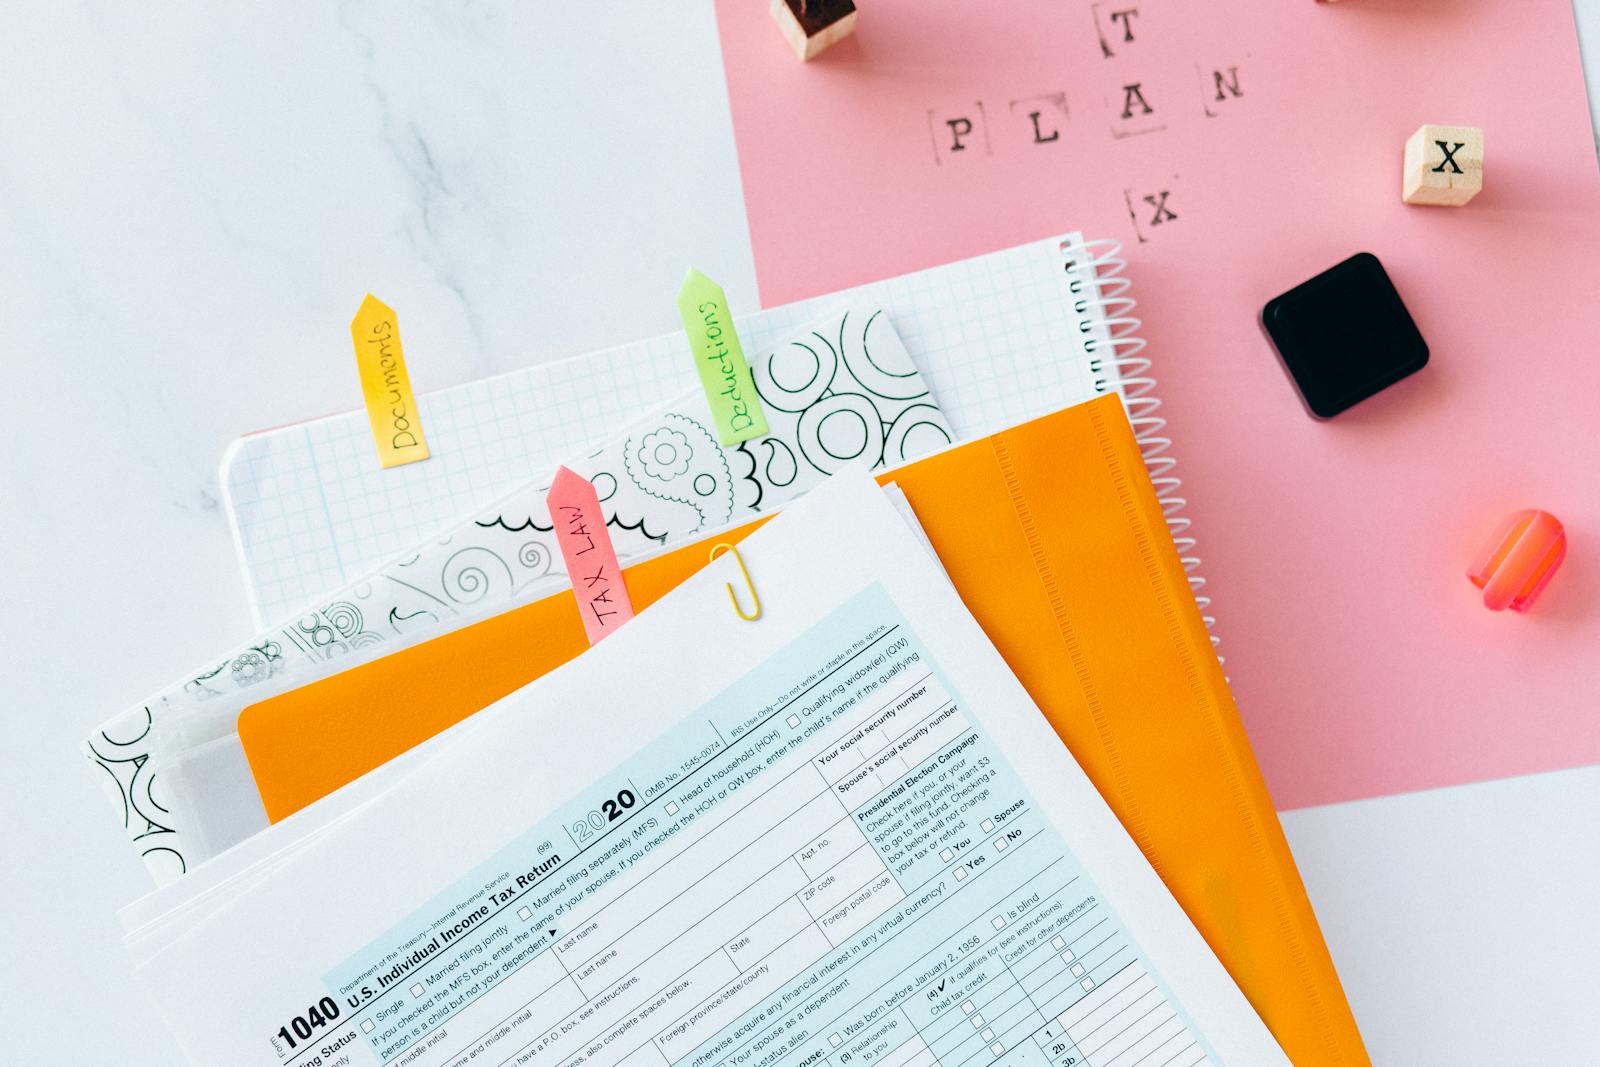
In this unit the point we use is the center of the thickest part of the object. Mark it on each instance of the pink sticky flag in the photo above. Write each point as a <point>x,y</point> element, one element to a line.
<point>586,548</point>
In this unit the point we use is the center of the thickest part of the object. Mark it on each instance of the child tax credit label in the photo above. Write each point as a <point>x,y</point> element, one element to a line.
<point>830,865</point>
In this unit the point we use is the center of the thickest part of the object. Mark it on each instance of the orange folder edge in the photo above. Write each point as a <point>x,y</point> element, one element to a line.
<point>1052,533</point>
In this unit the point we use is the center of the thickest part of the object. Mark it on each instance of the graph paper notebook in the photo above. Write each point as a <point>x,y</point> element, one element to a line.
<point>999,338</point>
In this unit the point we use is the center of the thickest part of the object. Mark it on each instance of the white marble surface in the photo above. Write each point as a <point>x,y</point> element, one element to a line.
<point>1463,921</point>
<point>193,198</point>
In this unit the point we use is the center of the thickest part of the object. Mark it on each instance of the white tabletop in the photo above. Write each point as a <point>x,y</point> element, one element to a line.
<point>187,205</point>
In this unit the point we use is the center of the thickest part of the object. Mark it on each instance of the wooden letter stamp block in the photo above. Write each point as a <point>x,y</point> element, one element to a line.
<point>1443,165</point>
<point>813,25</point>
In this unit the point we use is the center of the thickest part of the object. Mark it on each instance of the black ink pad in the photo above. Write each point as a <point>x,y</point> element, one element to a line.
<point>1344,335</point>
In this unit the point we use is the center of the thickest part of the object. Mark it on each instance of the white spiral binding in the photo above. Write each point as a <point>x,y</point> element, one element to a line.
<point>1105,290</point>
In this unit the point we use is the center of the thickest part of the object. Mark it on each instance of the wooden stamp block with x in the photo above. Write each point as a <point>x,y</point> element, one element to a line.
<point>1443,166</point>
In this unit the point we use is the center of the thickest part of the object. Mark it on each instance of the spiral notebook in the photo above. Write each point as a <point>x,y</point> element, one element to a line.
<point>999,339</point>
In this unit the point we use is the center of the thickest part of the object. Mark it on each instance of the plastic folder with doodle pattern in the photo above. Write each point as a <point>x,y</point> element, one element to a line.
<point>998,338</point>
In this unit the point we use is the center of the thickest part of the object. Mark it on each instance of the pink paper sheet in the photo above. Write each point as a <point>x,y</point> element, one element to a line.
<point>1363,660</point>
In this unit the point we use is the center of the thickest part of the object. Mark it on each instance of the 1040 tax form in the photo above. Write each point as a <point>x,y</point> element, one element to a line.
<point>840,836</point>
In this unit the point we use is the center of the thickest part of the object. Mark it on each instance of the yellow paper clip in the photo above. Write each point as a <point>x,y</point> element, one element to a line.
<point>732,596</point>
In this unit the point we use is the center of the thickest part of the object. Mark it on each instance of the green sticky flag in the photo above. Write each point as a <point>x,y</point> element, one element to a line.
<point>724,374</point>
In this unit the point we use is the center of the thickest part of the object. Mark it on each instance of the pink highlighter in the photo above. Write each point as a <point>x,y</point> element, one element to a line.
<point>1517,565</point>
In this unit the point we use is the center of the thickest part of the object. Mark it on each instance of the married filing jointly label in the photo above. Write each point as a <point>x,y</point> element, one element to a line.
<point>385,385</point>
<point>724,373</point>
<point>830,865</point>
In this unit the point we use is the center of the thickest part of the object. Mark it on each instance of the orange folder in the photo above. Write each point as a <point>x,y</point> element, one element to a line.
<point>1054,538</point>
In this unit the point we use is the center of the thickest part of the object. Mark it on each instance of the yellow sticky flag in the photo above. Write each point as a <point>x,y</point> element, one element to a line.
<point>385,385</point>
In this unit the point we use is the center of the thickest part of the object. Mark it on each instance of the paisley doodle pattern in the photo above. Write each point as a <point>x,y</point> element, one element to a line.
<point>535,555</point>
<point>122,751</point>
<point>882,370</point>
<point>616,523</point>
<point>472,573</point>
<point>841,429</point>
<point>404,624</point>
<point>664,465</point>
<point>748,492</point>
<point>408,601</point>
<point>664,454</point>
<point>605,485</point>
<point>344,617</point>
<point>200,687</point>
<point>781,468</point>
<point>798,374</point>
<point>844,392</point>
<point>919,430</point>
<point>538,527</point>
<point>252,666</point>
<point>366,639</point>
<point>500,521</point>
<point>848,393</point>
